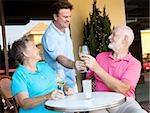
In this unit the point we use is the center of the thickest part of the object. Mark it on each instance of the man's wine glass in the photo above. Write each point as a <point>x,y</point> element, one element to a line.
<point>83,50</point>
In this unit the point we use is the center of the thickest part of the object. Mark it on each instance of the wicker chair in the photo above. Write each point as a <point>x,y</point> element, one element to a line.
<point>9,102</point>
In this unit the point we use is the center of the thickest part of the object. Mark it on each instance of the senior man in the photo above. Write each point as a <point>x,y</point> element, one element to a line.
<point>117,71</point>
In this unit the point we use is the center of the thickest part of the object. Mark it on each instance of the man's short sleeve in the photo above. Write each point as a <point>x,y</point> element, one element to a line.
<point>51,45</point>
<point>132,74</point>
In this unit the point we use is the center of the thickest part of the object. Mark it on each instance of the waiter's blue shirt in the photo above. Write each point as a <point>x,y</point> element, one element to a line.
<point>57,43</point>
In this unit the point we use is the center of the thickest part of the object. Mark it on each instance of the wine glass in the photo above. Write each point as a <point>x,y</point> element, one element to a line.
<point>83,50</point>
<point>61,79</point>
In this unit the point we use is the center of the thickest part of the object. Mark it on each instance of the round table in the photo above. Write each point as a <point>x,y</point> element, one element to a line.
<point>78,102</point>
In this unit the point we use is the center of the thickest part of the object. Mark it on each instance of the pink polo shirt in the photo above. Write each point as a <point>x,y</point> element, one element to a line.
<point>125,69</point>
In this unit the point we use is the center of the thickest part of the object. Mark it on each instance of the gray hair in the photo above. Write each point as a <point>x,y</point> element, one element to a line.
<point>18,47</point>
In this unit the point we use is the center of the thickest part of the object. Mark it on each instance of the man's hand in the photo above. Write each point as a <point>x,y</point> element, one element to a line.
<point>90,62</point>
<point>80,65</point>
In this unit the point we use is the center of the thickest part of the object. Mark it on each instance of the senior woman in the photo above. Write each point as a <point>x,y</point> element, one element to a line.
<point>33,82</point>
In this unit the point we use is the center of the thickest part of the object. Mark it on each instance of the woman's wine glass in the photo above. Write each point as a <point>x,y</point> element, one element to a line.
<point>61,79</point>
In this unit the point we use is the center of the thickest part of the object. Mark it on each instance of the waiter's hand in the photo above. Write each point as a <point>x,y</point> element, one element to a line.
<point>80,65</point>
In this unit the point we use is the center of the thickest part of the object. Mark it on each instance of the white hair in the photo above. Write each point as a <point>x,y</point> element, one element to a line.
<point>126,31</point>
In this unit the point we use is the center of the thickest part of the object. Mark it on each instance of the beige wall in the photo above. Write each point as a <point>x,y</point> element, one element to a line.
<point>82,8</point>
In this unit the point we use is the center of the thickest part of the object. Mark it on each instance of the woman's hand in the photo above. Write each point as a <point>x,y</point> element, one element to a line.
<point>57,94</point>
<point>68,91</point>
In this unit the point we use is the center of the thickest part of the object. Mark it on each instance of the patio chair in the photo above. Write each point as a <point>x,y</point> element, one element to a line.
<point>10,104</point>
<point>145,105</point>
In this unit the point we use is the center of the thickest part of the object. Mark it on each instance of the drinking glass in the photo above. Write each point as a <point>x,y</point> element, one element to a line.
<point>83,50</point>
<point>87,88</point>
<point>61,79</point>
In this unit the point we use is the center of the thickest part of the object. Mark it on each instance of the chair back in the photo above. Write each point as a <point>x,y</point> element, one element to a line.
<point>5,92</point>
<point>5,84</point>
